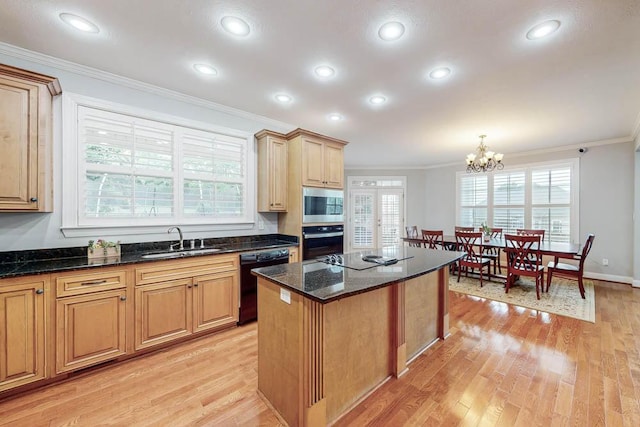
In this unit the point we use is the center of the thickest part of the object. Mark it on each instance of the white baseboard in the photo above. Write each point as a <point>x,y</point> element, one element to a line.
<point>612,278</point>
<point>636,284</point>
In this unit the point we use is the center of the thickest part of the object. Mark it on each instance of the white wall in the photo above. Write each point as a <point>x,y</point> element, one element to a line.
<point>42,230</point>
<point>636,218</point>
<point>606,203</point>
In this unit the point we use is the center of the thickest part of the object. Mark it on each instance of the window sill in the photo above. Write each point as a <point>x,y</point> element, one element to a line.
<point>151,229</point>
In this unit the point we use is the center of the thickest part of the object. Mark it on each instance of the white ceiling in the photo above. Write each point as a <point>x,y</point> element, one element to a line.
<point>579,85</point>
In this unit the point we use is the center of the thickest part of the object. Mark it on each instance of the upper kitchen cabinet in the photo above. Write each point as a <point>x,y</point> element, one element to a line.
<point>322,159</point>
<point>26,178</point>
<point>272,171</point>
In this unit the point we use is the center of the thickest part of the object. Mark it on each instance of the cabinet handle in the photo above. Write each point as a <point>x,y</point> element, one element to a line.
<point>95,282</point>
<point>189,286</point>
<point>39,291</point>
<point>123,298</point>
<point>195,284</point>
<point>33,199</point>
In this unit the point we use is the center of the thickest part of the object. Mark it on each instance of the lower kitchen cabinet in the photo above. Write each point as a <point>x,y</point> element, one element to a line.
<point>215,300</point>
<point>163,312</point>
<point>91,317</point>
<point>200,295</point>
<point>22,331</point>
<point>90,329</point>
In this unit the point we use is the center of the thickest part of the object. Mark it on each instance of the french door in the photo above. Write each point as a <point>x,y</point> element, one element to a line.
<point>376,217</point>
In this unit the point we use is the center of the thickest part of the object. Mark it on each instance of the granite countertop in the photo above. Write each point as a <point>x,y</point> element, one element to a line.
<point>324,283</point>
<point>22,263</point>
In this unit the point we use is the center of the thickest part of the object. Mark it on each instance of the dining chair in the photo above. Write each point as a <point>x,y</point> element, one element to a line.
<point>524,259</point>
<point>468,242</point>
<point>433,239</point>
<point>412,233</point>
<point>493,253</point>
<point>571,271</point>
<point>464,229</point>
<point>530,232</point>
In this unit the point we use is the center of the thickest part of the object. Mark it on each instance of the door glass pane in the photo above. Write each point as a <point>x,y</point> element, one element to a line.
<point>390,219</point>
<point>363,221</point>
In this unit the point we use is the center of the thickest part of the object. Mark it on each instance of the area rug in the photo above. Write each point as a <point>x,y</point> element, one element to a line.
<point>563,297</point>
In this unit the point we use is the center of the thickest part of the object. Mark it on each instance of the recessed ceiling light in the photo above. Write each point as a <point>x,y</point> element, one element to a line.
<point>335,117</point>
<point>440,73</point>
<point>543,30</point>
<point>324,71</point>
<point>206,69</point>
<point>235,26</point>
<point>102,132</point>
<point>391,31</point>
<point>284,98</point>
<point>377,100</point>
<point>79,23</point>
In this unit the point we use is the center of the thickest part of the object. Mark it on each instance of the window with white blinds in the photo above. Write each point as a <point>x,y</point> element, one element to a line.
<point>138,171</point>
<point>540,196</point>
<point>473,200</point>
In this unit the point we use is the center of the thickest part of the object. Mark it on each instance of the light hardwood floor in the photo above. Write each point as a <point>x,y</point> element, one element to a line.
<point>502,365</point>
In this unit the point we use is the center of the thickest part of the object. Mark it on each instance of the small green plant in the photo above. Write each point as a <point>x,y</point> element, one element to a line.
<point>104,244</point>
<point>485,229</point>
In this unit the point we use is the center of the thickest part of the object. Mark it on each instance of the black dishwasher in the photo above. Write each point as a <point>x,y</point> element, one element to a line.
<point>249,282</point>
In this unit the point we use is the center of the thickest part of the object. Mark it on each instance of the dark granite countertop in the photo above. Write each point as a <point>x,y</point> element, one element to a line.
<point>325,283</point>
<point>22,263</point>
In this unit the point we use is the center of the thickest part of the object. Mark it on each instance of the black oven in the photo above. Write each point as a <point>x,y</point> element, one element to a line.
<point>322,240</point>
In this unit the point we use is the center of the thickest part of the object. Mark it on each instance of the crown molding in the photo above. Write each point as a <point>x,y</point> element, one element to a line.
<point>72,67</point>
<point>518,154</point>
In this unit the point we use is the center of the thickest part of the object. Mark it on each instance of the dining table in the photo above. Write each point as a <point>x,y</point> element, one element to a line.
<point>559,249</point>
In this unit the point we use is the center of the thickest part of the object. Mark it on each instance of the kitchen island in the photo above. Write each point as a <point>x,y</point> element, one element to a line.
<point>329,333</point>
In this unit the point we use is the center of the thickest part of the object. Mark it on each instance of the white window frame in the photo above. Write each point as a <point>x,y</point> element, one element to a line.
<point>72,169</point>
<point>573,163</point>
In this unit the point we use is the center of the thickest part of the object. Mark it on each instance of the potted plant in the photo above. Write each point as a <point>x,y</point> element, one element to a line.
<point>486,232</point>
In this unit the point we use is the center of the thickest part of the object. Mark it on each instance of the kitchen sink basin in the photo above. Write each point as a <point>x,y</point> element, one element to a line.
<point>180,254</point>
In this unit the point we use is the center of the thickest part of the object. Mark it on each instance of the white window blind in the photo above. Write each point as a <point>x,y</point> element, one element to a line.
<point>473,199</point>
<point>509,201</point>
<point>551,202</point>
<point>539,196</point>
<point>140,171</point>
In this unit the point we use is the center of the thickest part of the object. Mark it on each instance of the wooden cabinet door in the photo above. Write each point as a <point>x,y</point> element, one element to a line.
<point>278,177</point>
<point>334,165</point>
<point>90,329</point>
<point>163,312</point>
<point>293,255</point>
<point>312,163</point>
<point>18,145</point>
<point>215,300</point>
<point>22,352</point>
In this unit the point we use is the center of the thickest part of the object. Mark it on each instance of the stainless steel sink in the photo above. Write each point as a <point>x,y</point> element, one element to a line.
<point>180,254</point>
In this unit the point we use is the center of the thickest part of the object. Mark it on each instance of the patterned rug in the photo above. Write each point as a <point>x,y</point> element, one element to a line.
<point>563,297</point>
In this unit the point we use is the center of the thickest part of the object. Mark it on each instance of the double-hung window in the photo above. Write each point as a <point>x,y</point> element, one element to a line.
<point>539,196</point>
<point>124,170</point>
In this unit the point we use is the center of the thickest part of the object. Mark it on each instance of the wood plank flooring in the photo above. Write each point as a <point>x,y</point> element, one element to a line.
<point>501,366</point>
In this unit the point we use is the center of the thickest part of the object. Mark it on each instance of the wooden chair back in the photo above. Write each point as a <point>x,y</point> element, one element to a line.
<point>434,239</point>
<point>496,233</point>
<point>523,253</point>
<point>585,251</point>
<point>530,232</point>
<point>470,242</point>
<point>464,229</point>
<point>412,232</point>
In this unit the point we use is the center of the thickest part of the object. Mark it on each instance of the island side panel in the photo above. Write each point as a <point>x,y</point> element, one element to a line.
<point>443,303</point>
<point>280,350</point>
<point>359,353</point>
<point>421,312</point>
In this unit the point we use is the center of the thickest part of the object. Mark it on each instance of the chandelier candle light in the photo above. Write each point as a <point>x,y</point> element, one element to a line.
<point>484,161</point>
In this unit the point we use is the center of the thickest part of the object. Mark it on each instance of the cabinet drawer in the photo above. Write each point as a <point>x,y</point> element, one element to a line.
<point>78,284</point>
<point>183,268</point>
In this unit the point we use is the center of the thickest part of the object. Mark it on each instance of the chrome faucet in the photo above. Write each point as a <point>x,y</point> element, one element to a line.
<point>181,239</point>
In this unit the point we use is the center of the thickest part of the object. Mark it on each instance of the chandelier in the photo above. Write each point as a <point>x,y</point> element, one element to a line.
<point>484,161</point>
